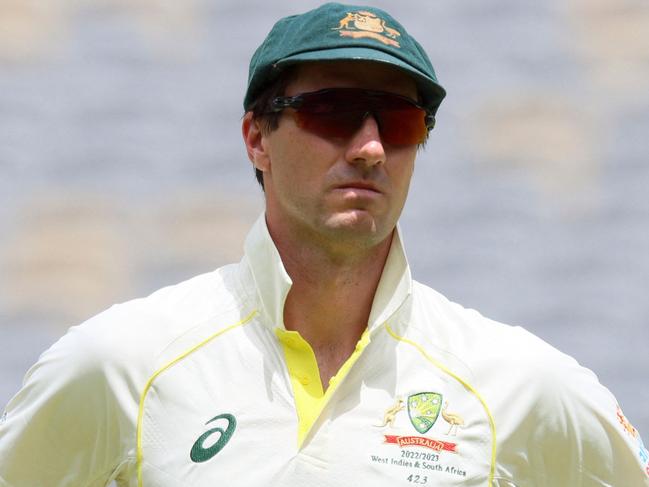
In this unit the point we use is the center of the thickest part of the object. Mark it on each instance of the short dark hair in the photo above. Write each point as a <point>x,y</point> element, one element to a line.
<point>260,107</point>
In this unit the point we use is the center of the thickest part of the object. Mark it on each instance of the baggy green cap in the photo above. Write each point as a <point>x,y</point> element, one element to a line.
<point>334,32</point>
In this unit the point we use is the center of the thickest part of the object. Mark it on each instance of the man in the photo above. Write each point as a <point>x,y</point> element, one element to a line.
<point>317,360</point>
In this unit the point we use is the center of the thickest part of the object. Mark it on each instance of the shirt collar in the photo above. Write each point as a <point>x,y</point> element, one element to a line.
<point>273,282</point>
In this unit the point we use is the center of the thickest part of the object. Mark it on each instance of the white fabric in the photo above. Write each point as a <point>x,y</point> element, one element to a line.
<point>74,422</point>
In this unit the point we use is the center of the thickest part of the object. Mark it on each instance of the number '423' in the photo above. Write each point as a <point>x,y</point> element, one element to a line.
<point>417,479</point>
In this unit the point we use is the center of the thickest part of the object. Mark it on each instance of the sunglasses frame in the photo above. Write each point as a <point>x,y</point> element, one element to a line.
<point>295,102</point>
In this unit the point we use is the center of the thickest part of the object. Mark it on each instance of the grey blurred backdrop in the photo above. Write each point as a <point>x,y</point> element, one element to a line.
<point>122,167</point>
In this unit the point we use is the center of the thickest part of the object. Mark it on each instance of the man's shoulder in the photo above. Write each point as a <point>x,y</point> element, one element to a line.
<point>138,333</point>
<point>108,359</point>
<point>499,356</point>
<point>479,339</point>
<point>187,302</point>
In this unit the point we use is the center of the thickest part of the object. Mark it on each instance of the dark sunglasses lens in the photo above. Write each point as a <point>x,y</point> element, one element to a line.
<point>340,113</point>
<point>332,124</point>
<point>405,126</point>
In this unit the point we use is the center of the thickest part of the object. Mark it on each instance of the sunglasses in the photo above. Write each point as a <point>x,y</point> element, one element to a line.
<point>340,112</point>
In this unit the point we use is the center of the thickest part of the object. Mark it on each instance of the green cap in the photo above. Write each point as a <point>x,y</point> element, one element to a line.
<point>334,32</point>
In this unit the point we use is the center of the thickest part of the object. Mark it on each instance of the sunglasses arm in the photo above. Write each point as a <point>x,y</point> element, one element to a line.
<point>430,121</point>
<point>281,102</point>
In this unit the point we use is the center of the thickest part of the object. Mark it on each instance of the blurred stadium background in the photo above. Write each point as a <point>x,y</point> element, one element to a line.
<point>122,168</point>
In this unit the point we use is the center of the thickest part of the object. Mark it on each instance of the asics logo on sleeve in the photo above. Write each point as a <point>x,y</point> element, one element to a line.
<point>201,453</point>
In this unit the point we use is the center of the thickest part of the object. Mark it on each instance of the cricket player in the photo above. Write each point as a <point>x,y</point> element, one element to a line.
<point>317,359</point>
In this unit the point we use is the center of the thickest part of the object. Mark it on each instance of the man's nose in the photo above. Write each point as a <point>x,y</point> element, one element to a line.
<point>366,147</point>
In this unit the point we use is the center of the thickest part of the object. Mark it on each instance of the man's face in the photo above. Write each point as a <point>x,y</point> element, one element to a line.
<point>337,191</point>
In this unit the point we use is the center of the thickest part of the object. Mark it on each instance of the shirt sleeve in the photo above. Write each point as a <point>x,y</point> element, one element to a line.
<point>585,439</point>
<point>63,427</point>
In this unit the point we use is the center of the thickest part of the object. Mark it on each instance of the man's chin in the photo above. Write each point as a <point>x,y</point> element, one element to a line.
<point>361,221</point>
<point>358,228</point>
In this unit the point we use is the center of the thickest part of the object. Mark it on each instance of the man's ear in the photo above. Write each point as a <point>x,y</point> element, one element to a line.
<point>256,143</point>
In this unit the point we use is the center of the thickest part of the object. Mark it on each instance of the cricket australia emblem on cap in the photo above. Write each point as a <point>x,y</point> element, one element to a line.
<point>423,410</point>
<point>364,24</point>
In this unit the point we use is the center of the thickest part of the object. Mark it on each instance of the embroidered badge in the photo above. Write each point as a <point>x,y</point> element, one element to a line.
<point>364,24</point>
<point>423,409</point>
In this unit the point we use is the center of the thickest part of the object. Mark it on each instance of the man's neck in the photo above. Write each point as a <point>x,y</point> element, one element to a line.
<point>331,297</point>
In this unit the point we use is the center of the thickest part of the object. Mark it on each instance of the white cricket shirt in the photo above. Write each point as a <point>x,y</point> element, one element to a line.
<point>200,385</point>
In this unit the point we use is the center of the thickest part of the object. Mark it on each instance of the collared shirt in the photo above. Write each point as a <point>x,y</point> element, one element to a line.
<point>200,384</point>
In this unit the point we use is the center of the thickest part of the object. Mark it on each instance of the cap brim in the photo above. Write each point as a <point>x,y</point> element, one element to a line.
<point>431,91</point>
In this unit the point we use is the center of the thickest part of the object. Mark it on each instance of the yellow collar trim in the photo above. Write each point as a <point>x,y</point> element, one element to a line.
<point>310,396</point>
